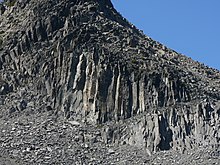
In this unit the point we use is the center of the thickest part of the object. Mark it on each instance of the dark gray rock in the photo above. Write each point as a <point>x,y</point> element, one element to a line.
<point>2,9</point>
<point>87,85</point>
<point>22,105</point>
<point>12,110</point>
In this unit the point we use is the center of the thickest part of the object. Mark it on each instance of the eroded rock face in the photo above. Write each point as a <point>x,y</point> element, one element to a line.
<point>180,128</point>
<point>84,61</point>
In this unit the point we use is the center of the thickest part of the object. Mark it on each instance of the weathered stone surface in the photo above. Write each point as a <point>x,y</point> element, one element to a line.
<point>82,62</point>
<point>2,9</point>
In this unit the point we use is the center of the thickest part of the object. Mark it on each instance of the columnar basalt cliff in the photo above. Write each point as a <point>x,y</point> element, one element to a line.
<point>82,60</point>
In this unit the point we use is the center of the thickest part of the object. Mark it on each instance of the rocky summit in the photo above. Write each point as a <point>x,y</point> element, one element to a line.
<point>79,84</point>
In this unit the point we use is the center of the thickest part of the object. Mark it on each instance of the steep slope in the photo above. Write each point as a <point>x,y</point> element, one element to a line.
<point>82,60</point>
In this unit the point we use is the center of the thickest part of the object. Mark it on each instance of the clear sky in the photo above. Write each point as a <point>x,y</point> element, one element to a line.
<point>191,27</point>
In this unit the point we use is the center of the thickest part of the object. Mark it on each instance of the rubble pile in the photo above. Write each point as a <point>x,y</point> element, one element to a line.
<point>80,84</point>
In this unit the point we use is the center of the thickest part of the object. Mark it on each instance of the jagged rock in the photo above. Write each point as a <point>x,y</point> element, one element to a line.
<point>82,63</point>
<point>2,9</point>
<point>12,110</point>
<point>4,88</point>
<point>22,105</point>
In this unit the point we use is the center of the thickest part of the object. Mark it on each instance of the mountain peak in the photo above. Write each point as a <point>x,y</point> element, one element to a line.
<point>81,63</point>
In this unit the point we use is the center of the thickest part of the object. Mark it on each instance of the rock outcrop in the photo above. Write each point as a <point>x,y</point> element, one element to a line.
<point>82,60</point>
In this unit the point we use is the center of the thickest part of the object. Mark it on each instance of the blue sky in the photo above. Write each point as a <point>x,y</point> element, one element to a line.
<point>191,27</point>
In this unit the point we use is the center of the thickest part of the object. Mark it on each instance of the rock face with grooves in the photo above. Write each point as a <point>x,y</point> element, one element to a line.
<point>82,60</point>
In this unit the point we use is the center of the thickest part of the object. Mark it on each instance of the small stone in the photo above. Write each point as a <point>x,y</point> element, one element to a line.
<point>22,105</point>
<point>74,123</point>
<point>11,110</point>
<point>86,146</point>
<point>64,127</point>
<point>76,139</point>
<point>111,151</point>
<point>28,149</point>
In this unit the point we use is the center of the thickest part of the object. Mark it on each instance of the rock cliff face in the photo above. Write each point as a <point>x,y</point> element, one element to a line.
<point>82,60</point>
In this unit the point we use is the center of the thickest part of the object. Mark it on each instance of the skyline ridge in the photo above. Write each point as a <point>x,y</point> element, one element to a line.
<point>188,27</point>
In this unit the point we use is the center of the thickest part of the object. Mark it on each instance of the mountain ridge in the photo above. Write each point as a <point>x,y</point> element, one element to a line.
<point>82,61</point>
